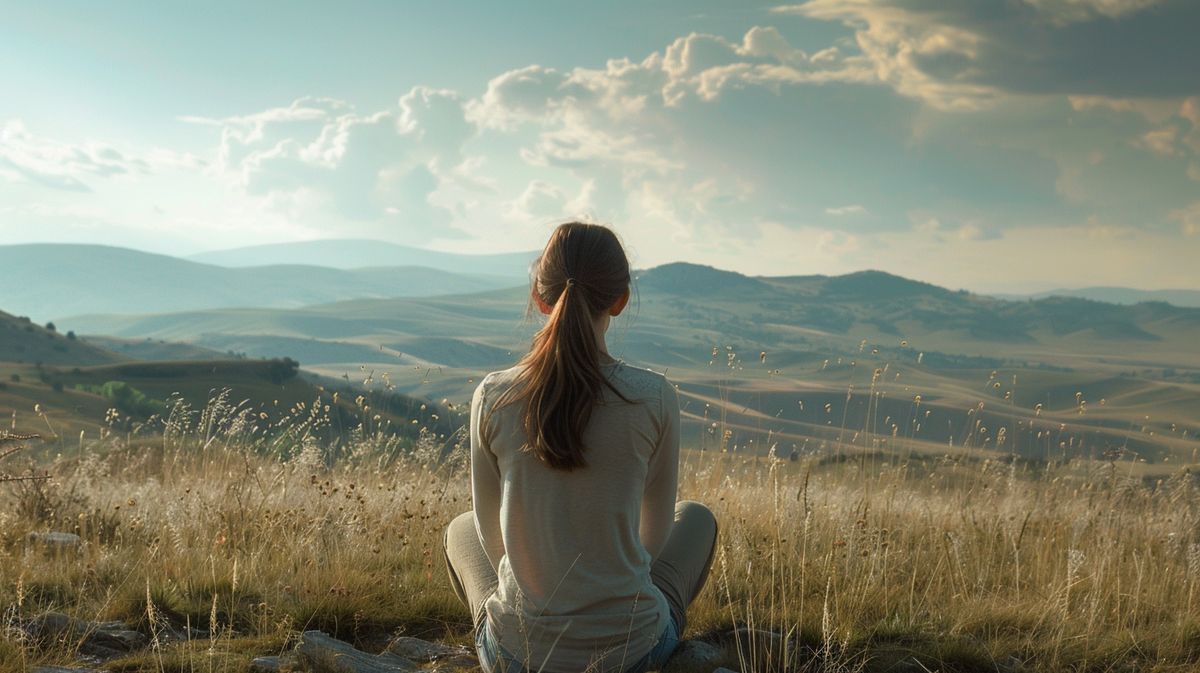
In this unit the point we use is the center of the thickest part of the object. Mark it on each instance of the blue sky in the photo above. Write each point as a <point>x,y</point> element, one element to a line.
<point>998,146</point>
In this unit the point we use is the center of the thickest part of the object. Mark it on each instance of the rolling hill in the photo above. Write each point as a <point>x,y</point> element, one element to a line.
<point>359,253</point>
<point>1125,295</point>
<point>49,281</point>
<point>798,361</point>
<point>680,305</point>
<point>23,341</point>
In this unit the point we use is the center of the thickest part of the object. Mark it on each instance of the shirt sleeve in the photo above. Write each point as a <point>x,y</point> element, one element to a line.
<point>662,478</point>
<point>485,484</point>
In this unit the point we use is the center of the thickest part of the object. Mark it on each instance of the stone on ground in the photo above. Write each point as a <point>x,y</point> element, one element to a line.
<point>422,650</point>
<point>321,653</point>
<point>692,656</point>
<point>57,541</point>
<point>102,640</point>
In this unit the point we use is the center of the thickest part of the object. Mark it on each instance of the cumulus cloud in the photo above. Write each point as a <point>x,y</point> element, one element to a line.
<point>693,65</point>
<point>1070,11</point>
<point>965,55</point>
<point>383,168</point>
<point>1188,218</point>
<point>539,200</point>
<point>853,209</point>
<point>58,165</point>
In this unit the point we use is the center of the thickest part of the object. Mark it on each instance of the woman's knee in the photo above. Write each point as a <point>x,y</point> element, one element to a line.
<point>696,514</point>
<point>461,528</point>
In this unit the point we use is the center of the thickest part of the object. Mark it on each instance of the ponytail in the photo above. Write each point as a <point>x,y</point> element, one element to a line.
<point>581,273</point>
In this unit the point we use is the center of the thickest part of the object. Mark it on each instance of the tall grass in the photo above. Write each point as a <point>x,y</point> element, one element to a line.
<point>837,561</point>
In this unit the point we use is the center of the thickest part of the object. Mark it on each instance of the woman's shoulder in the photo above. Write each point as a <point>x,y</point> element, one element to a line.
<point>642,381</point>
<point>497,380</point>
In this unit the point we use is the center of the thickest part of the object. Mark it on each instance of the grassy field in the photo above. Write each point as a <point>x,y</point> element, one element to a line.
<point>860,560</point>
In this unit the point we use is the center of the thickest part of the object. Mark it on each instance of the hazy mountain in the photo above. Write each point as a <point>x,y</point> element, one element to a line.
<point>357,253</point>
<point>1123,295</point>
<point>680,312</point>
<point>782,359</point>
<point>48,281</point>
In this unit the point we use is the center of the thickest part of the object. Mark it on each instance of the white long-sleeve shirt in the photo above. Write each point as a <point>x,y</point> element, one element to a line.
<point>572,550</point>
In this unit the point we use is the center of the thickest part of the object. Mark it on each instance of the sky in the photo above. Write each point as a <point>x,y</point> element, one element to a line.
<point>993,145</point>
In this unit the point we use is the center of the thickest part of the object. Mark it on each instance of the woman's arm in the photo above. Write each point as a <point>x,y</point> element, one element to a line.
<point>485,483</point>
<point>662,477</point>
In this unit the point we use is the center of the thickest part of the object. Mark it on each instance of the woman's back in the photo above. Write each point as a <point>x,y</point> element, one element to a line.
<point>573,549</point>
<point>576,556</point>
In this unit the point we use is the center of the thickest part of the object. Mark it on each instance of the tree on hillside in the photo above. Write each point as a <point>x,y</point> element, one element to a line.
<point>50,326</point>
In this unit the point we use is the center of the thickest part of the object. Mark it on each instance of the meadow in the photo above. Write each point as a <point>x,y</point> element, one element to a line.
<point>220,542</point>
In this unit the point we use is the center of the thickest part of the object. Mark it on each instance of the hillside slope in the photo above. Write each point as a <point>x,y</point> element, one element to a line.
<point>358,253</point>
<point>23,341</point>
<point>50,281</point>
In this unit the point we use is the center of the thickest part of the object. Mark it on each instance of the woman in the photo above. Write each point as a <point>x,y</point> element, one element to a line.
<point>576,556</point>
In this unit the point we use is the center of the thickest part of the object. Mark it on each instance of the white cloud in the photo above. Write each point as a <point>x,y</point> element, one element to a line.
<point>380,172</point>
<point>1070,11</point>
<point>539,202</point>
<point>1160,141</point>
<point>899,43</point>
<point>968,55</point>
<point>853,209</point>
<point>25,157</point>
<point>1188,219</point>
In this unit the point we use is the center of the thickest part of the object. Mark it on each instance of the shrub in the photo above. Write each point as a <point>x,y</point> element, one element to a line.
<point>127,399</point>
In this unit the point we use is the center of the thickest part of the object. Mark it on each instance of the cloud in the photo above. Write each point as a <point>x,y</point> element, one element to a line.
<point>59,165</point>
<point>1071,11</point>
<point>1160,141</point>
<point>964,55</point>
<point>697,64</point>
<point>540,201</point>
<point>381,171</point>
<point>1188,219</point>
<point>840,211</point>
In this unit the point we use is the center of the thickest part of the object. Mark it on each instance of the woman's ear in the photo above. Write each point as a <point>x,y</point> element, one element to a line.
<point>619,305</point>
<point>545,308</point>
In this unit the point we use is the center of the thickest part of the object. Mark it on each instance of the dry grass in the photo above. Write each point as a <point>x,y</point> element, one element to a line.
<point>873,563</point>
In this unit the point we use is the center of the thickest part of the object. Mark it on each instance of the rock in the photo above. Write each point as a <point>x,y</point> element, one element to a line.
<point>762,645</point>
<point>693,655</point>
<point>724,670</point>
<point>458,662</point>
<point>101,640</point>
<point>421,650</point>
<point>54,542</point>
<point>265,665</point>
<point>321,653</point>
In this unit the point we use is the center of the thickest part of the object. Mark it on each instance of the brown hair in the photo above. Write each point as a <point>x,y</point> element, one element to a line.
<point>581,273</point>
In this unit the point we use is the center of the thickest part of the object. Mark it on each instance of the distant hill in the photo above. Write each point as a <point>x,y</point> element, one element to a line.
<point>1123,295</point>
<point>679,312</point>
<point>57,280</point>
<point>359,253</point>
<point>154,349</point>
<point>782,359</point>
<point>23,341</point>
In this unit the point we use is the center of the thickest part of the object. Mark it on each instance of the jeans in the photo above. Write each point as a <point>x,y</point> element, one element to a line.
<point>495,659</point>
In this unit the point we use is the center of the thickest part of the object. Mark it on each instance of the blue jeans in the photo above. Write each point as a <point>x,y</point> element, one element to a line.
<point>495,659</point>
